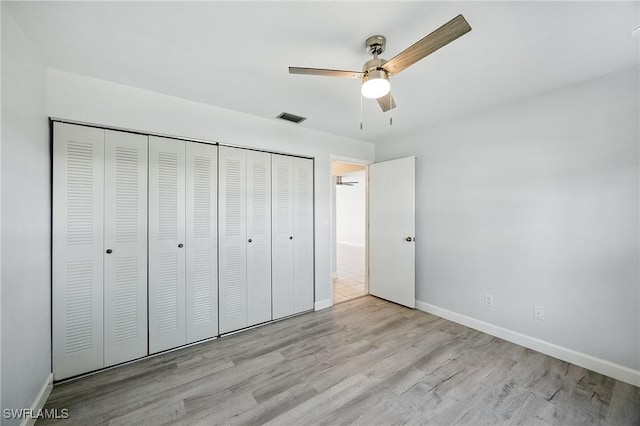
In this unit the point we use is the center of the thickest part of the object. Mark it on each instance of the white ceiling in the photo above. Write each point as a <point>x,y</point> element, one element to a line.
<point>235,54</point>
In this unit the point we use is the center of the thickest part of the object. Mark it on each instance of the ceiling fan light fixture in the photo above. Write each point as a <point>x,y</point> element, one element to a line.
<point>375,84</point>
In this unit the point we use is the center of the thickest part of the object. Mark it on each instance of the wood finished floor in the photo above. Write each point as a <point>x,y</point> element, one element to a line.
<point>365,361</point>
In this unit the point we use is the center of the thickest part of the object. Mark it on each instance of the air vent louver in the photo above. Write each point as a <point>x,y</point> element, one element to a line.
<point>291,117</point>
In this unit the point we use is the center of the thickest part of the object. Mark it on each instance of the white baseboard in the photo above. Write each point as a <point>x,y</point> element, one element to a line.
<point>323,304</point>
<point>616,371</point>
<point>40,400</point>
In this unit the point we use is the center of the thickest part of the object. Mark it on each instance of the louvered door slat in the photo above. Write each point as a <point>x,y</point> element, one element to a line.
<point>259,232</point>
<point>202,242</point>
<point>125,230</point>
<point>167,328</point>
<point>78,208</point>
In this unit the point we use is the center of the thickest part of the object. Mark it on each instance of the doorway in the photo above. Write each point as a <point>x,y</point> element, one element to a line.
<point>349,277</point>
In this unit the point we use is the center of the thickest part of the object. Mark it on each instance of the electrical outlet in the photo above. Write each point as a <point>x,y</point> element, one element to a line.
<point>538,312</point>
<point>488,299</point>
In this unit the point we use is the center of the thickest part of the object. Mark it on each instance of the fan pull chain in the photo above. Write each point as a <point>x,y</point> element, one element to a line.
<point>360,112</point>
<point>390,105</point>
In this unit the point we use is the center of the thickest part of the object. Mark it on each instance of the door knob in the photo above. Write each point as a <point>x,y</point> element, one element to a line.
<point>109,251</point>
<point>250,240</point>
<point>291,238</point>
<point>408,239</point>
<point>180,245</point>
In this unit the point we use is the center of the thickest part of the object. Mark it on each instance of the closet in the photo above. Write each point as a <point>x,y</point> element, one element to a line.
<point>245,238</point>
<point>183,305</point>
<point>292,255</point>
<point>160,242</point>
<point>99,252</point>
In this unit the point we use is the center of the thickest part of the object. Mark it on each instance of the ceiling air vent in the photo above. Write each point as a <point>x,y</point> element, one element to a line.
<point>291,117</point>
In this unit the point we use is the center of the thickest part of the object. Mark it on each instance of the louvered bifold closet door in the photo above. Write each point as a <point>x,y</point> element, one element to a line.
<point>282,235</point>
<point>166,244</point>
<point>202,241</point>
<point>125,242</point>
<point>303,234</point>
<point>78,209</point>
<point>232,163</point>
<point>258,237</point>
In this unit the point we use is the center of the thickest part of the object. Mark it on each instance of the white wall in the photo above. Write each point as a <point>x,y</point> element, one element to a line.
<point>350,210</point>
<point>74,97</point>
<point>536,203</point>
<point>26,232</point>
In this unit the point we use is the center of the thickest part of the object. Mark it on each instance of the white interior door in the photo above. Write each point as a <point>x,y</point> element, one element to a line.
<point>232,163</point>
<point>78,217</point>
<point>166,244</point>
<point>258,237</point>
<point>303,233</point>
<point>125,247</point>
<point>392,231</point>
<point>282,256</point>
<point>201,241</point>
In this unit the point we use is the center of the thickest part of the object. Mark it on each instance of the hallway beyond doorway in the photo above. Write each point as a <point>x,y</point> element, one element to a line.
<point>350,275</point>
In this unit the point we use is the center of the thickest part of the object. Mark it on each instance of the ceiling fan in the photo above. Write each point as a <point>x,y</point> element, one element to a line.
<point>340,182</point>
<point>376,72</point>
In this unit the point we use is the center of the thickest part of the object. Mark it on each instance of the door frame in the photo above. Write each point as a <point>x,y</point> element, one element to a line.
<point>332,222</point>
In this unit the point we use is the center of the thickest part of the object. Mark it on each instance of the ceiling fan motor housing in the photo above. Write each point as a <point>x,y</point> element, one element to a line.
<point>373,66</point>
<point>374,74</point>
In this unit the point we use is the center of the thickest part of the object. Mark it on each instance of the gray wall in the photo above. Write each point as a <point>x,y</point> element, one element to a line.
<point>25,170</point>
<point>536,203</point>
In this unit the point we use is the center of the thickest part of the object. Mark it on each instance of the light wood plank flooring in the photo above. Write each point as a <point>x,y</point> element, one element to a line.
<point>366,362</point>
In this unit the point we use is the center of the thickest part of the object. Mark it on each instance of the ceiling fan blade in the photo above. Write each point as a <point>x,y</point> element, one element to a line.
<point>386,102</point>
<point>325,72</point>
<point>444,35</point>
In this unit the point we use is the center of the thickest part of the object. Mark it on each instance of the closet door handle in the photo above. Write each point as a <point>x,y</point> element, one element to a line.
<point>180,245</point>
<point>409,239</point>
<point>291,238</point>
<point>109,251</point>
<point>250,240</point>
